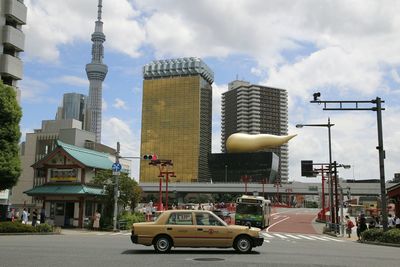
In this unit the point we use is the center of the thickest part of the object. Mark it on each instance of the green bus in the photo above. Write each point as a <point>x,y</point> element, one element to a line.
<point>252,211</point>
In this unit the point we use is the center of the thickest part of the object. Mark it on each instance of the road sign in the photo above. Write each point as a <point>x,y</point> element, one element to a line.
<point>116,167</point>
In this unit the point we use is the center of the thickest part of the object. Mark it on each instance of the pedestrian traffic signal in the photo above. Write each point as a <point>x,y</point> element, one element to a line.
<point>307,168</point>
<point>150,157</point>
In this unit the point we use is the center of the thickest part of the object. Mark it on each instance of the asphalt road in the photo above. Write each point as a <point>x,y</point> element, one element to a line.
<point>109,249</point>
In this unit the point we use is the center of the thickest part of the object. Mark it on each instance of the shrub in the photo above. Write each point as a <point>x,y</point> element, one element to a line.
<point>44,228</point>
<point>372,234</point>
<point>391,236</point>
<point>131,218</point>
<point>16,227</point>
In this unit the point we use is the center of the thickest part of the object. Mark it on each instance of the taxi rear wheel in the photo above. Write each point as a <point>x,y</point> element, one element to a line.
<point>242,244</point>
<point>162,244</point>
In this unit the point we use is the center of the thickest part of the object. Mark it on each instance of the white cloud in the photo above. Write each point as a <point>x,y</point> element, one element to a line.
<point>35,91</point>
<point>58,22</point>
<point>73,80</point>
<point>119,104</point>
<point>116,130</point>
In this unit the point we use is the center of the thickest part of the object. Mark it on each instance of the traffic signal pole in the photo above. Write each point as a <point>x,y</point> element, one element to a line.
<point>358,105</point>
<point>116,191</point>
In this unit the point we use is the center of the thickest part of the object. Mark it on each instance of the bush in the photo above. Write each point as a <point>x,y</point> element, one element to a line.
<point>377,235</point>
<point>16,227</point>
<point>131,218</point>
<point>44,228</point>
<point>372,234</point>
<point>391,236</point>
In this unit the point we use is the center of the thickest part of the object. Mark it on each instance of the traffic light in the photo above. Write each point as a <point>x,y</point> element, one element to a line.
<point>307,168</point>
<point>150,157</point>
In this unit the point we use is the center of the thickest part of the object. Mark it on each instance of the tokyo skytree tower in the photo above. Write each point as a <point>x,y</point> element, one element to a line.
<point>96,72</point>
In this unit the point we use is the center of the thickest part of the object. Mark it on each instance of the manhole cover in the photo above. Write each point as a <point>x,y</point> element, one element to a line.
<point>208,259</point>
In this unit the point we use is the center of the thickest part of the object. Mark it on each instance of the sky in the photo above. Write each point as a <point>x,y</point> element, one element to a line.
<point>344,49</point>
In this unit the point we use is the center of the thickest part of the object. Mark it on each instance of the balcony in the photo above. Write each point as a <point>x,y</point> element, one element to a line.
<point>15,10</point>
<point>11,66</point>
<point>13,37</point>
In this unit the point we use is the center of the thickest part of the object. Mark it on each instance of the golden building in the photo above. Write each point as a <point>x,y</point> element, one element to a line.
<point>176,118</point>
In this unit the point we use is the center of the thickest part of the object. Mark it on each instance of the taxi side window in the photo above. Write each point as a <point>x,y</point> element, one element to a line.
<point>180,219</point>
<point>207,219</point>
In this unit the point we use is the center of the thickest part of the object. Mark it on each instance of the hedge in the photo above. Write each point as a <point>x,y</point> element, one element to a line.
<point>18,227</point>
<point>377,235</point>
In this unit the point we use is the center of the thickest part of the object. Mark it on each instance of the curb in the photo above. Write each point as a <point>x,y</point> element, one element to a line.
<point>380,243</point>
<point>28,233</point>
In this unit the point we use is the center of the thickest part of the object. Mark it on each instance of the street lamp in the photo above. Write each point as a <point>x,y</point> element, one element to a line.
<point>328,125</point>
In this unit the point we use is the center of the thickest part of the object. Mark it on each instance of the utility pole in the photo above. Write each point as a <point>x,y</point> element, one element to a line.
<point>116,173</point>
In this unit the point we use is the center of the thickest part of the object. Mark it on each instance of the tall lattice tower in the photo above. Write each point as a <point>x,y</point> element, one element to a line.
<point>96,72</point>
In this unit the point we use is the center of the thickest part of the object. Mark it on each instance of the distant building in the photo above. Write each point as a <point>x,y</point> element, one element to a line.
<point>73,107</point>
<point>256,109</point>
<point>176,118</point>
<point>232,167</point>
<point>64,188</point>
<point>12,41</point>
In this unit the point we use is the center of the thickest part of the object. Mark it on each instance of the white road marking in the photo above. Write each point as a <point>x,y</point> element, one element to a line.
<point>267,241</point>
<point>281,236</point>
<point>319,238</point>
<point>266,230</point>
<point>306,237</point>
<point>101,233</point>
<point>267,235</point>
<point>333,239</point>
<point>292,236</point>
<point>117,234</point>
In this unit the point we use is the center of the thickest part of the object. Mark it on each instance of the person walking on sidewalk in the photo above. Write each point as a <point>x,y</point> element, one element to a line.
<point>361,225</point>
<point>349,225</point>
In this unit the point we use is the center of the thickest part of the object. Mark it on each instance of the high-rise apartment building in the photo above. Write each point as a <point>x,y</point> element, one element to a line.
<point>176,118</point>
<point>12,39</point>
<point>96,72</point>
<point>73,107</point>
<point>256,109</point>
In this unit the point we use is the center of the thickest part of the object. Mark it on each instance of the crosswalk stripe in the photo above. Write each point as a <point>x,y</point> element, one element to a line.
<point>281,236</point>
<point>306,237</point>
<point>267,235</point>
<point>101,233</point>
<point>267,241</point>
<point>116,234</point>
<point>320,238</point>
<point>333,239</point>
<point>293,236</point>
<point>127,234</point>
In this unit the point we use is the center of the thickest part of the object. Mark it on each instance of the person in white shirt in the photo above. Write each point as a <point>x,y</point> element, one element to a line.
<point>24,216</point>
<point>397,222</point>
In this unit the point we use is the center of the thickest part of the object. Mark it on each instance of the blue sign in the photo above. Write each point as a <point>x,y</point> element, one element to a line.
<point>116,167</point>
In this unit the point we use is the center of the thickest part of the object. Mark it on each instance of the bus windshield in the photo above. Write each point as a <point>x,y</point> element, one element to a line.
<point>249,209</point>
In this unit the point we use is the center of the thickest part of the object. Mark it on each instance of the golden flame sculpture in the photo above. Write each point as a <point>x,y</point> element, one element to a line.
<point>241,142</point>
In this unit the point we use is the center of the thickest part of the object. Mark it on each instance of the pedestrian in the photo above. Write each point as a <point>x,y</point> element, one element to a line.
<point>349,225</point>
<point>391,221</point>
<point>42,216</point>
<point>372,223</point>
<point>361,225</point>
<point>24,216</point>
<point>96,220</point>
<point>34,217</point>
<point>397,222</point>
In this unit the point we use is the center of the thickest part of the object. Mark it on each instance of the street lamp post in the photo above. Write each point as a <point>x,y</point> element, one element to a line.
<point>328,125</point>
<point>226,173</point>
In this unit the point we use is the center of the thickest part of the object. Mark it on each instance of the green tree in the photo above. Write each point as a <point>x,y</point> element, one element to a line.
<point>10,116</point>
<point>130,192</point>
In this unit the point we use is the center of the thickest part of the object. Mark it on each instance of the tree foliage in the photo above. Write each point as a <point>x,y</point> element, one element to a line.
<point>130,192</point>
<point>10,116</point>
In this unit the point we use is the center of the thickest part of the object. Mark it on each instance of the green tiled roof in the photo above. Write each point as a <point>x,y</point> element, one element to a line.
<point>89,158</point>
<point>77,189</point>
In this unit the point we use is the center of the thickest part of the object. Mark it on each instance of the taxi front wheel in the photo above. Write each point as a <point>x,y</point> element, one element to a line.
<point>162,244</point>
<point>242,244</point>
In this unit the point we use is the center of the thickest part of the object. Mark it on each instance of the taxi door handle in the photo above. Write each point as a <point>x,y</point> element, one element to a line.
<point>169,228</point>
<point>199,229</point>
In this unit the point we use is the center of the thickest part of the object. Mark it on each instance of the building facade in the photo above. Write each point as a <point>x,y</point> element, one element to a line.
<point>12,40</point>
<point>96,72</point>
<point>176,118</point>
<point>63,184</point>
<point>73,107</point>
<point>256,109</point>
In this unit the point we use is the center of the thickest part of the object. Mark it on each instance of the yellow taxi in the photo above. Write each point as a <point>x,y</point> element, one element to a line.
<point>194,228</point>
